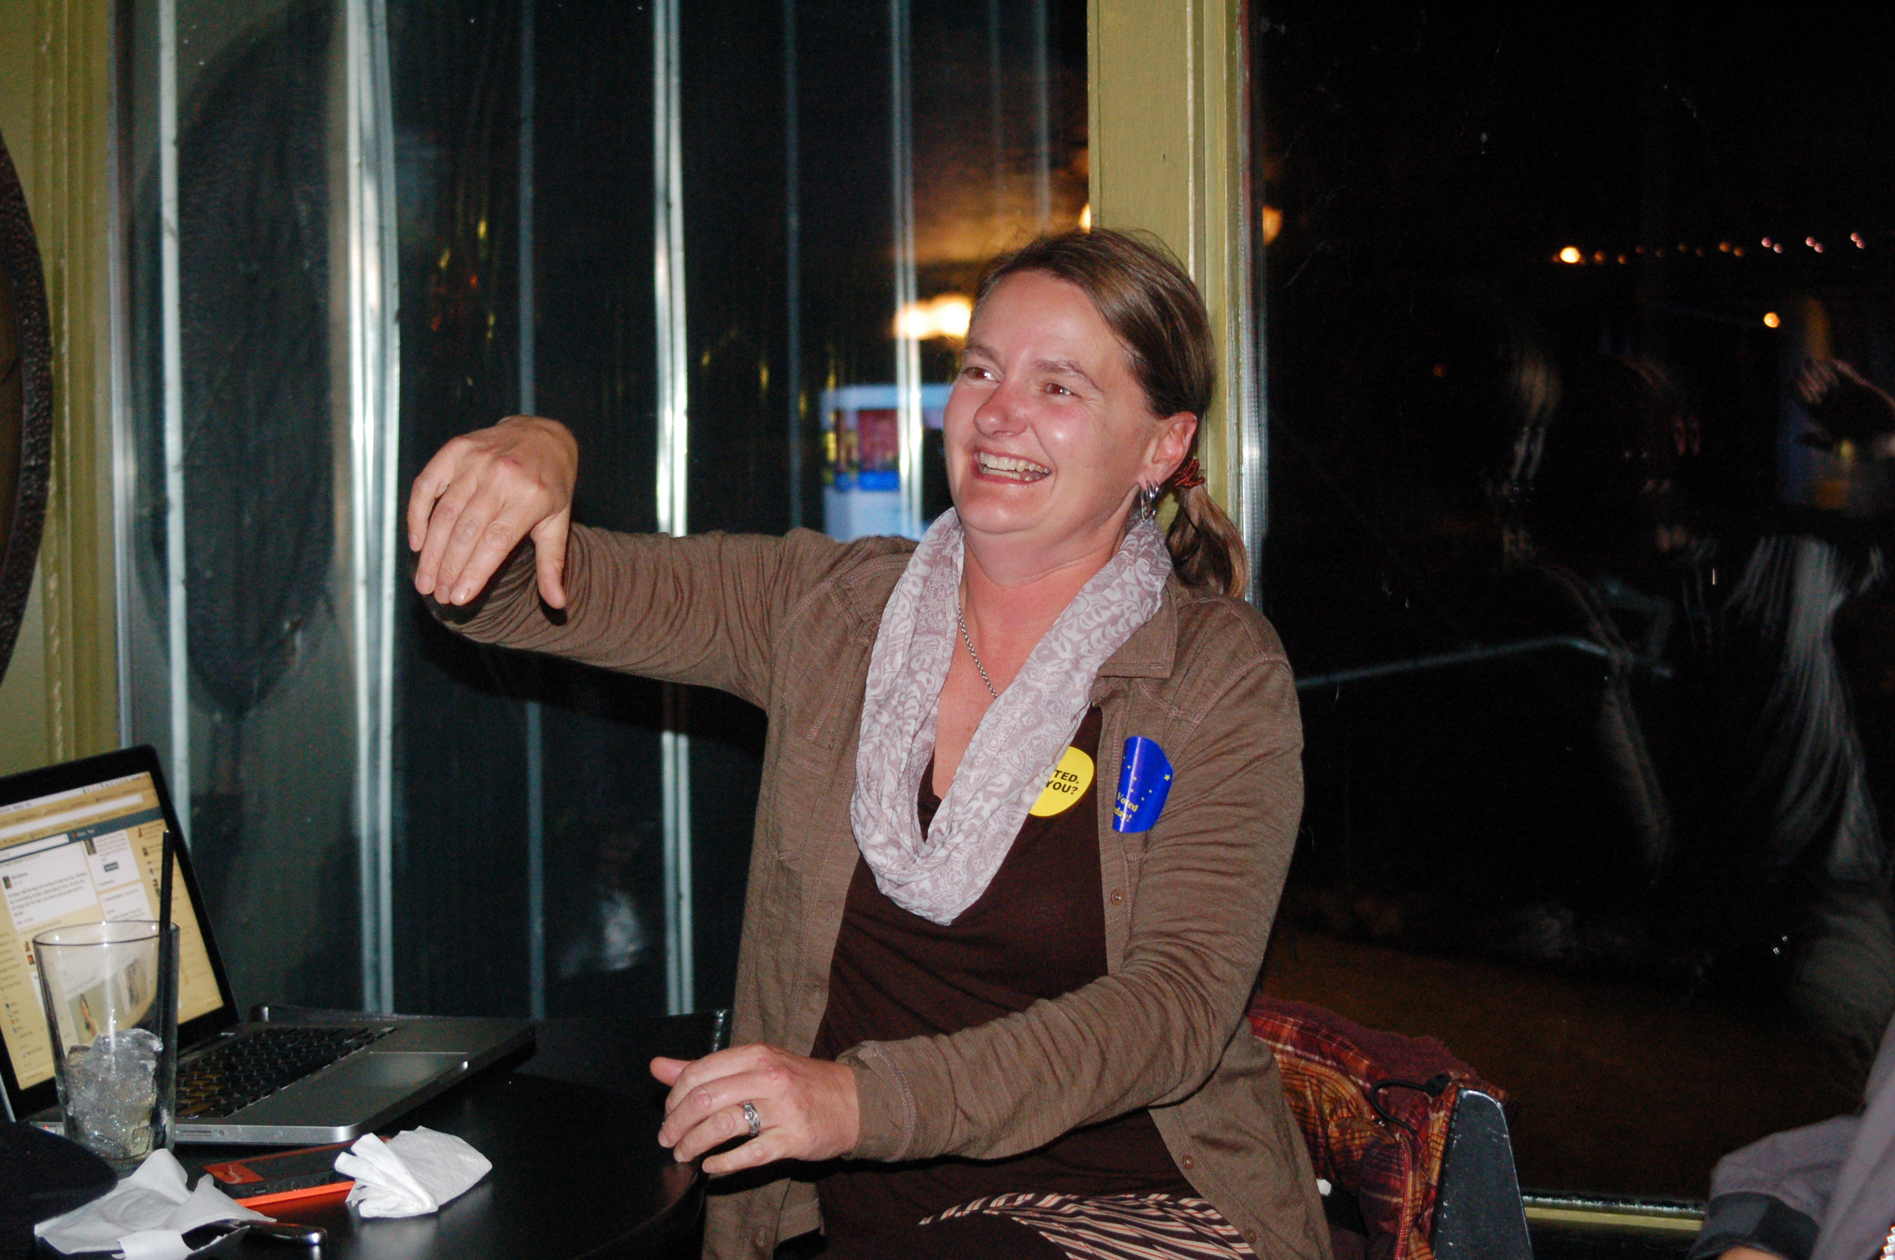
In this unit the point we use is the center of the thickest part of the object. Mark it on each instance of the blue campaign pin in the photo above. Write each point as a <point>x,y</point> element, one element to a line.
<point>1144,782</point>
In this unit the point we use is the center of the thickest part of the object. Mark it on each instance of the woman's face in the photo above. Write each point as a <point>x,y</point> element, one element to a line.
<point>1048,433</point>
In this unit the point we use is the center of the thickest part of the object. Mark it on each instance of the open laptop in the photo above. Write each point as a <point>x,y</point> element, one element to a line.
<point>81,842</point>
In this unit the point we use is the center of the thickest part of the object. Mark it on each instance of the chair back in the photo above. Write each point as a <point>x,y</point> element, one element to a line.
<point>1377,1112</point>
<point>1478,1213</point>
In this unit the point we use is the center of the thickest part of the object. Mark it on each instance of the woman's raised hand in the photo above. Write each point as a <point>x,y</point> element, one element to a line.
<point>481,494</point>
<point>806,1108</point>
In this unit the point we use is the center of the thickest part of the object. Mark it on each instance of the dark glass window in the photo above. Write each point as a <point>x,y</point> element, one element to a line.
<point>554,839</point>
<point>796,264</point>
<point>1579,357</point>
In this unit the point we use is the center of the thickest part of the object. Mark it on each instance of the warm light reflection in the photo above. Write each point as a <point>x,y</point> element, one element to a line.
<point>1772,320</point>
<point>1571,254</point>
<point>1272,223</point>
<point>944,316</point>
<point>1085,218</point>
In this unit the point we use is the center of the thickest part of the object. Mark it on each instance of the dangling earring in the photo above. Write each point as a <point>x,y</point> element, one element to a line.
<point>1147,508</point>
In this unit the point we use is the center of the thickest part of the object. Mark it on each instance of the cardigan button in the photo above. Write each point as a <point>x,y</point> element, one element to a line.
<point>1117,898</point>
<point>1188,1163</point>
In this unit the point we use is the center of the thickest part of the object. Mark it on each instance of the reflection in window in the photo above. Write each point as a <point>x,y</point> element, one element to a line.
<point>235,602</point>
<point>1580,363</point>
<point>580,841</point>
<point>555,839</point>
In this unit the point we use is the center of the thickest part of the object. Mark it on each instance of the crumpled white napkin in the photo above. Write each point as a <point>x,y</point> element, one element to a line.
<point>411,1174</point>
<point>144,1217</point>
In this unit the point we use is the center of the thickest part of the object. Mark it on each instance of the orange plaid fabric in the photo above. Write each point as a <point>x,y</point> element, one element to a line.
<point>1374,1108</point>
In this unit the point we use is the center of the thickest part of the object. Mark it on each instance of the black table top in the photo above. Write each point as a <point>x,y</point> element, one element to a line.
<point>572,1134</point>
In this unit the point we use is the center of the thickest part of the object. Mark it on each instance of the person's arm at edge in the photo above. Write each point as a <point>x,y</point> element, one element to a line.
<point>1770,1197</point>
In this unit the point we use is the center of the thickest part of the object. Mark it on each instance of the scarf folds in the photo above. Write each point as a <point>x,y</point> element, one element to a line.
<point>1019,739</point>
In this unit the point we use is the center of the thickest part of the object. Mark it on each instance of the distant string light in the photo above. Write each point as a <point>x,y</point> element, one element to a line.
<point>1573,255</point>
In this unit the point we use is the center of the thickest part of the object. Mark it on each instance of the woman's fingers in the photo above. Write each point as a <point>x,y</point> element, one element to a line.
<point>699,1087</point>
<point>806,1108</point>
<point>549,556</point>
<point>727,1124</point>
<point>773,1142</point>
<point>427,488</point>
<point>483,535</point>
<point>483,493</point>
<point>432,510</point>
<point>433,576</point>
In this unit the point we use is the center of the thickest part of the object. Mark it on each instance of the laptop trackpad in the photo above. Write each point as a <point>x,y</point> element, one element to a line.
<point>392,1072</point>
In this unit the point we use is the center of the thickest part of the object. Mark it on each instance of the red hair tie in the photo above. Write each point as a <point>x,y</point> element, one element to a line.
<point>1189,477</point>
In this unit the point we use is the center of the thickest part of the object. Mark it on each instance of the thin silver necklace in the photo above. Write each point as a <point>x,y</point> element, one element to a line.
<point>968,639</point>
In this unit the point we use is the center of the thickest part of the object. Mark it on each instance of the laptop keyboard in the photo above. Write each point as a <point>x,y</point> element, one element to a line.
<point>255,1064</point>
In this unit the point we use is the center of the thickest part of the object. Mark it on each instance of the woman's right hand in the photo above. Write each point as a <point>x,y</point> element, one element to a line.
<point>481,494</point>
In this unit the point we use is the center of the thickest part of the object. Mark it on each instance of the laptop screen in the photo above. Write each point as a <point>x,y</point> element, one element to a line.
<point>79,855</point>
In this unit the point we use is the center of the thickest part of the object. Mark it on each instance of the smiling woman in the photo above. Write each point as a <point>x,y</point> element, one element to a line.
<point>973,1014</point>
<point>26,405</point>
<point>1141,305</point>
<point>1048,435</point>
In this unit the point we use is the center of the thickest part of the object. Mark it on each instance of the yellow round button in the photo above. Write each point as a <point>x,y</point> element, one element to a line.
<point>1070,779</point>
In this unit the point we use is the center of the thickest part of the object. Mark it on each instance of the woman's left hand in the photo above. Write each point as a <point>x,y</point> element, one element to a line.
<point>807,1108</point>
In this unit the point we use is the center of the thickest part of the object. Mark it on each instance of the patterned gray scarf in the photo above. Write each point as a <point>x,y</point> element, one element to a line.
<point>1019,740</point>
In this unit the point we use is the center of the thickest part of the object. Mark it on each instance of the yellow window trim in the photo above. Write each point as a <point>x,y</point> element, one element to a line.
<point>1166,99</point>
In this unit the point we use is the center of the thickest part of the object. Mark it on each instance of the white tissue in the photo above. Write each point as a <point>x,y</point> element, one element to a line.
<point>145,1215</point>
<point>411,1174</point>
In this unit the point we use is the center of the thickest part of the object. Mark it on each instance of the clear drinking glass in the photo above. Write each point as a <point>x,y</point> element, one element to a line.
<point>115,1034</point>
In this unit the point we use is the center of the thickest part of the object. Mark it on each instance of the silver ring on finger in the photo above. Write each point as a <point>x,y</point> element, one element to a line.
<point>752,1119</point>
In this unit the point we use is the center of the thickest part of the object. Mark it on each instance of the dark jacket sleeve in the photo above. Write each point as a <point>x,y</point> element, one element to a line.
<point>1774,1193</point>
<point>1826,1190</point>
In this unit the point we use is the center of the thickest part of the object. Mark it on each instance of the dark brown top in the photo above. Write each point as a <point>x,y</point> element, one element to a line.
<point>1037,932</point>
